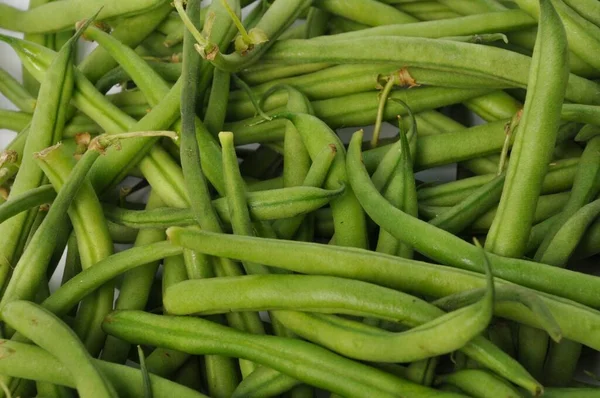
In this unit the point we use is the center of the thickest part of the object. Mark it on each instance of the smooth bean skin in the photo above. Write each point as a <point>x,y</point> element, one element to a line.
<point>30,362</point>
<point>547,207</point>
<point>569,235</point>
<point>480,384</point>
<point>30,199</point>
<point>464,57</point>
<point>368,12</point>
<point>559,178</point>
<point>586,185</point>
<point>16,93</point>
<point>402,274</point>
<point>347,215</point>
<point>50,333</point>
<point>464,213</point>
<point>500,21</point>
<point>583,35</point>
<point>264,382</point>
<point>130,31</point>
<point>46,128</point>
<point>31,268</point>
<point>535,138</point>
<point>454,251</point>
<point>299,359</point>
<point>94,243</point>
<point>66,14</point>
<point>263,205</point>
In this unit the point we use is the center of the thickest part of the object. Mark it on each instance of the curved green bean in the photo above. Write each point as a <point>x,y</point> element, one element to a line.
<point>299,359</point>
<point>50,333</point>
<point>30,362</point>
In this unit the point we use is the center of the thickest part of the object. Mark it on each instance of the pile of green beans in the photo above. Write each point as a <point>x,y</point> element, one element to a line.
<point>223,235</point>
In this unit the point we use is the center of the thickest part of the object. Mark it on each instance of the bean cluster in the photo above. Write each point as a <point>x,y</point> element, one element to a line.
<point>224,237</point>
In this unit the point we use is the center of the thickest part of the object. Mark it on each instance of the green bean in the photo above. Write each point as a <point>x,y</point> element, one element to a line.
<point>31,267</point>
<point>473,60</point>
<point>241,224</point>
<point>525,40</point>
<point>585,187</point>
<point>93,240</point>
<point>569,235</point>
<point>561,362</point>
<point>264,205</point>
<point>307,293</point>
<point>296,358</point>
<point>218,99</point>
<point>480,384</point>
<point>198,265</point>
<point>422,7</point>
<point>403,274</point>
<point>86,282</point>
<point>106,172</point>
<point>587,9</point>
<point>535,138</point>
<point>547,207</point>
<point>264,382</point>
<point>347,214</point>
<point>422,372</point>
<point>467,211</point>
<point>507,293</point>
<point>473,7</point>
<point>351,79</point>
<point>401,192</point>
<point>236,199</point>
<point>47,124</point>
<point>447,248</point>
<point>356,110</point>
<point>50,333</point>
<point>570,392</point>
<point>263,73</point>
<point>187,375</point>
<point>164,362</point>
<point>374,267</point>
<point>66,14</point>
<point>500,21</point>
<point>559,178</point>
<point>274,22</point>
<point>130,31</point>
<point>15,92</point>
<point>368,12</point>
<point>582,34</point>
<point>31,362</point>
<point>169,71</point>
<point>135,288</point>
<point>316,176</point>
<point>316,23</point>
<point>72,261</point>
